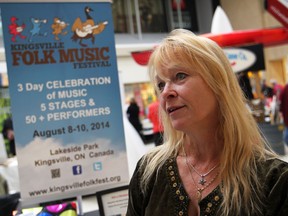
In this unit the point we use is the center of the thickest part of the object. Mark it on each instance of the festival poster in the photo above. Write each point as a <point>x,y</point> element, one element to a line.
<point>65,98</point>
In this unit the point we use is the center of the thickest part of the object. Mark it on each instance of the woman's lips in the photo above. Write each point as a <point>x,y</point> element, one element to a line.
<point>173,108</point>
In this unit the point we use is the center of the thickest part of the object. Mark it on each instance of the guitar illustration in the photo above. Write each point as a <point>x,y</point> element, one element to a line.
<point>89,29</point>
<point>86,29</point>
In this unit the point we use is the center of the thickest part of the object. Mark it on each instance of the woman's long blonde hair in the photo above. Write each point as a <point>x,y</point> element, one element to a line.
<point>244,144</point>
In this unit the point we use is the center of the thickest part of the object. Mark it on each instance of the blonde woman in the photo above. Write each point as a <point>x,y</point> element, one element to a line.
<point>214,160</point>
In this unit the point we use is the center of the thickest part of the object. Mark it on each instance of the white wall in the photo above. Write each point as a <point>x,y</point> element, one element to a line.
<point>131,71</point>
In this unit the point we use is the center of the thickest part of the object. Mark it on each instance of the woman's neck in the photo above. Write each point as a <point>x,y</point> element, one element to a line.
<point>202,149</point>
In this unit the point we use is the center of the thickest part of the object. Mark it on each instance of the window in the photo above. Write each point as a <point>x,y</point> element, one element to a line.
<point>153,16</point>
<point>183,14</point>
<point>120,16</point>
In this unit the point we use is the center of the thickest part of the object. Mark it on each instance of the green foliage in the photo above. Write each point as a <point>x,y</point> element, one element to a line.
<point>4,114</point>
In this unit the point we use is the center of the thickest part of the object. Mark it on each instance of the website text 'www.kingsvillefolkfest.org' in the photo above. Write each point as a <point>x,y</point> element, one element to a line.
<point>75,185</point>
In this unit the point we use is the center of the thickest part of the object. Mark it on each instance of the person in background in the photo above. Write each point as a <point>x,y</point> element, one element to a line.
<point>8,133</point>
<point>277,88</point>
<point>245,85</point>
<point>266,90</point>
<point>153,116</point>
<point>133,112</point>
<point>284,112</point>
<point>267,98</point>
<point>275,107</point>
<point>214,159</point>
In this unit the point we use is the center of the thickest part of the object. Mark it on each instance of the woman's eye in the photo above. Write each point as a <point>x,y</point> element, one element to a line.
<point>161,86</point>
<point>181,76</point>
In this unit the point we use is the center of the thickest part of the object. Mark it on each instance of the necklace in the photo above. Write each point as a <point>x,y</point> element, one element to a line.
<point>202,180</point>
<point>199,190</point>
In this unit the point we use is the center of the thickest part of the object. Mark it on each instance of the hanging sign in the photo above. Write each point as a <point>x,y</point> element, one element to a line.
<point>246,58</point>
<point>65,98</point>
<point>279,9</point>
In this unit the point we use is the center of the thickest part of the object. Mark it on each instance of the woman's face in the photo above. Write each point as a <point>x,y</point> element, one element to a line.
<point>187,99</point>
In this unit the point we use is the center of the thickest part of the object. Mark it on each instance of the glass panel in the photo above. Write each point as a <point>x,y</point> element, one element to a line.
<point>184,14</point>
<point>120,16</point>
<point>153,16</point>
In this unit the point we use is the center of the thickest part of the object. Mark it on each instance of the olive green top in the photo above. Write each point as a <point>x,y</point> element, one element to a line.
<point>166,195</point>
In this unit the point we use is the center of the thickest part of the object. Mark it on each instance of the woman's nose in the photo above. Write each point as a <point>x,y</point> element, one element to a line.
<point>168,91</point>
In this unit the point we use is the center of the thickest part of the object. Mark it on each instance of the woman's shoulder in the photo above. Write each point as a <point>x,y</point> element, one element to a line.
<point>274,171</point>
<point>153,155</point>
<point>276,164</point>
<point>145,159</point>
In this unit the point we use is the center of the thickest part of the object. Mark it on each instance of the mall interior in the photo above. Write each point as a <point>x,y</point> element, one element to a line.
<point>139,25</point>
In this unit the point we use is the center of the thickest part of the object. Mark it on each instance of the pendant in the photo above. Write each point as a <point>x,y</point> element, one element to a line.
<point>199,195</point>
<point>202,181</point>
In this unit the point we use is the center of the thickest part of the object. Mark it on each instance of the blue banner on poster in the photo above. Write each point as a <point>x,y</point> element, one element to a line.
<point>65,98</point>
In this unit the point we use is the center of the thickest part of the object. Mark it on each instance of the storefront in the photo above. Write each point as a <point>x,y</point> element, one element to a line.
<point>143,94</point>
